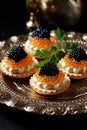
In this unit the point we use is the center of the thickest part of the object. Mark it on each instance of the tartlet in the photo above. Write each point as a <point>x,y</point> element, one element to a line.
<point>49,80</point>
<point>74,64</point>
<point>40,39</point>
<point>17,63</point>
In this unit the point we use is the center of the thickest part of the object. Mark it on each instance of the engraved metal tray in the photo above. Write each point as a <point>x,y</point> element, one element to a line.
<point>18,94</point>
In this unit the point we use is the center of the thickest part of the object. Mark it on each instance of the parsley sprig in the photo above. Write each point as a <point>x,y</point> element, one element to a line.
<point>54,54</point>
<point>63,37</point>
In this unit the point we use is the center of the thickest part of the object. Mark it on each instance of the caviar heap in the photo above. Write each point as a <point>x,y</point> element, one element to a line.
<point>41,33</point>
<point>78,54</point>
<point>17,53</point>
<point>49,69</point>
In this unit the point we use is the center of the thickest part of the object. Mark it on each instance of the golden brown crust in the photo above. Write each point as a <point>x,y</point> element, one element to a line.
<point>73,75</point>
<point>49,92</point>
<point>22,75</point>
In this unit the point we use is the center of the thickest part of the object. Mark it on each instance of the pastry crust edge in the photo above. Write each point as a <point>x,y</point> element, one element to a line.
<point>21,75</point>
<point>73,75</point>
<point>49,92</point>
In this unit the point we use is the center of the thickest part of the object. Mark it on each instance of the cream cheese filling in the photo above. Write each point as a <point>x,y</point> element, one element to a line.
<point>30,47</point>
<point>48,86</point>
<point>71,69</point>
<point>20,70</point>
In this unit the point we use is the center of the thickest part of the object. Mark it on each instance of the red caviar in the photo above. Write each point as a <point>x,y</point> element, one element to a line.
<point>42,43</point>
<point>71,62</point>
<point>52,80</point>
<point>16,65</point>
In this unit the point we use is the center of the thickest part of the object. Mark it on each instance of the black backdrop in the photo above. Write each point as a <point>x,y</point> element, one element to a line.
<point>13,16</point>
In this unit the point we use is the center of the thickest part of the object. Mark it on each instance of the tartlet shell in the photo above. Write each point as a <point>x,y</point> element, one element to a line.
<point>73,75</point>
<point>49,92</point>
<point>21,75</point>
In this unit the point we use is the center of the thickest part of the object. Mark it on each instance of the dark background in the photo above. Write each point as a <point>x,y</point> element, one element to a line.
<point>13,119</point>
<point>13,16</point>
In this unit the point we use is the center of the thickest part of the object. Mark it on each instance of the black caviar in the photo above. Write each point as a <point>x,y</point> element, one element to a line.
<point>49,69</point>
<point>78,54</point>
<point>41,32</point>
<point>17,53</point>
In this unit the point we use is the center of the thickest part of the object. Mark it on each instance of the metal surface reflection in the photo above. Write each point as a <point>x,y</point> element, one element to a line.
<point>18,93</point>
<point>53,12</point>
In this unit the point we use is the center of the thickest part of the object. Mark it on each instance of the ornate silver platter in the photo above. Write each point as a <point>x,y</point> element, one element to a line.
<point>18,94</point>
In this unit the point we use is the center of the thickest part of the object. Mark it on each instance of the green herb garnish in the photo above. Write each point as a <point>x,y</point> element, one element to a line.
<point>54,54</point>
<point>43,53</point>
<point>63,37</point>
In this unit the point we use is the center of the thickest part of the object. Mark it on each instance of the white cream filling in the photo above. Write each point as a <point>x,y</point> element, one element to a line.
<point>29,47</point>
<point>21,70</point>
<point>71,69</point>
<point>48,86</point>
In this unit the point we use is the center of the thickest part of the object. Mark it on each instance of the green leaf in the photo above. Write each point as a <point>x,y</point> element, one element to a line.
<point>67,46</point>
<point>58,33</point>
<point>70,46</point>
<point>55,60</point>
<point>43,53</point>
<point>61,34</point>
<point>53,48</point>
<point>38,53</point>
<point>57,52</point>
<point>64,37</point>
<point>42,62</point>
<point>74,45</point>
